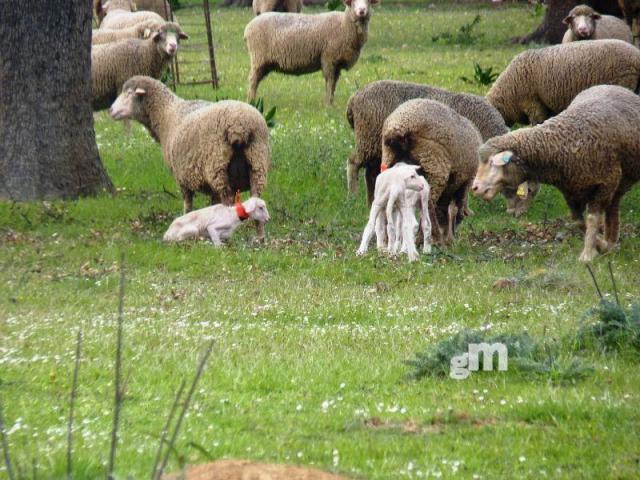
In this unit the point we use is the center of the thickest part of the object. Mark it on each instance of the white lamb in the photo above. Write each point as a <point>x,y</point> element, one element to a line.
<point>217,222</point>
<point>390,193</point>
<point>413,200</point>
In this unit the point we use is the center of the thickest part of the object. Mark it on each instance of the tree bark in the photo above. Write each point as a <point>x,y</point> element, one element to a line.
<point>552,29</point>
<point>47,143</point>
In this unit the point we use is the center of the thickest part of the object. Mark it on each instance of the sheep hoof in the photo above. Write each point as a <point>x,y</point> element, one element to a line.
<point>426,249</point>
<point>587,256</point>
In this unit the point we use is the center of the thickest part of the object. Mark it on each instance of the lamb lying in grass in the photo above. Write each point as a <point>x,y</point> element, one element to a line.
<point>390,193</point>
<point>218,222</point>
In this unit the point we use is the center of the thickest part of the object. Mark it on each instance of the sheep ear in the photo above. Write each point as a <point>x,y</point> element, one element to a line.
<point>182,35</point>
<point>373,2</point>
<point>596,16</point>
<point>347,2</point>
<point>501,159</point>
<point>155,36</point>
<point>140,92</point>
<point>567,20</point>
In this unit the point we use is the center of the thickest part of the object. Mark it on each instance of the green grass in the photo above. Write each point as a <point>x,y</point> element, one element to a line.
<point>310,340</point>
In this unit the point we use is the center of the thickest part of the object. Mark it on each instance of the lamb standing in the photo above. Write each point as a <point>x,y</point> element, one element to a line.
<point>112,64</point>
<point>214,148</point>
<point>586,24</point>
<point>540,83</point>
<point>391,187</point>
<point>298,44</point>
<point>218,222</point>
<point>413,200</point>
<point>264,6</point>
<point>444,144</point>
<point>369,107</point>
<point>590,152</point>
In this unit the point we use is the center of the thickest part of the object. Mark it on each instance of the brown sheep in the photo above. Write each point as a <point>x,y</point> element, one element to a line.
<point>590,152</point>
<point>445,145</point>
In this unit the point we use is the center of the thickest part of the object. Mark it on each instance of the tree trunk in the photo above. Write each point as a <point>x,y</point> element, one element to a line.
<point>47,143</point>
<point>552,29</point>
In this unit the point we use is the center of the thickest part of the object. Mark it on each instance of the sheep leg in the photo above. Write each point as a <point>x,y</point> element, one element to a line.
<point>352,173</point>
<point>398,246</point>
<point>255,77</point>
<point>187,201</point>
<point>394,197</point>
<point>381,232</point>
<point>331,75</point>
<point>594,218</point>
<point>425,225</point>
<point>371,173</point>
<point>368,230</point>
<point>214,236</point>
<point>612,220</point>
<point>408,239</point>
<point>452,214</point>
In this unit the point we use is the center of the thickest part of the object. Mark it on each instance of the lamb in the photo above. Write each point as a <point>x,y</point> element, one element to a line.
<point>413,199</point>
<point>215,148</point>
<point>590,152</point>
<point>218,222</point>
<point>369,107</point>
<point>297,43</point>
<point>444,144</point>
<point>540,83</point>
<point>141,30</point>
<point>118,19</point>
<point>112,64</point>
<point>587,24</point>
<point>263,6</point>
<point>391,188</point>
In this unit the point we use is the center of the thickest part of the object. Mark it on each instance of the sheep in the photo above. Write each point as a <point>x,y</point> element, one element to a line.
<point>590,152</point>
<point>540,83</point>
<point>113,63</point>
<point>263,6</point>
<point>215,148</point>
<point>413,199</point>
<point>141,30</point>
<point>118,19</point>
<point>444,144</point>
<point>369,107</point>
<point>297,44</point>
<point>587,24</point>
<point>390,193</point>
<point>218,222</point>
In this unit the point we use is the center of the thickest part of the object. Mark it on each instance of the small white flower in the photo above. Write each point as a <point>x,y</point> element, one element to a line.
<point>522,458</point>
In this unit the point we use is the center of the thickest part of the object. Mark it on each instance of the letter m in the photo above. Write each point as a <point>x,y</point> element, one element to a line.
<point>487,356</point>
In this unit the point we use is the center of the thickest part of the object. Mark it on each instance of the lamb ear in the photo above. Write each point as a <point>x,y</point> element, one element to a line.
<point>140,92</point>
<point>596,16</point>
<point>374,2</point>
<point>567,20</point>
<point>182,35</point>
<point>501,159</point>
<point>155,36</point>
<point>347,2</point>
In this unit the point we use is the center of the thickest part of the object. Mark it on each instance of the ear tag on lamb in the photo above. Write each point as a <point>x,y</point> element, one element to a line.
<point>147,32</point>
<point>383,167</point>
<point>523,190</point>
<point>502,159</point>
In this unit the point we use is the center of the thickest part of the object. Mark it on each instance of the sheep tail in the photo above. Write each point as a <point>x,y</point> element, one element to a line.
<point>238,136</point>
<point>398,141</point>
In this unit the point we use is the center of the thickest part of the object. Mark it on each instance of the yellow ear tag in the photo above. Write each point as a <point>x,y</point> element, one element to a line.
<point>147,32</point>
<point>523,190</point>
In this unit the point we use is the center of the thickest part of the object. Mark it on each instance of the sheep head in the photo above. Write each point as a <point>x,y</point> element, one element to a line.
<point>168,38</point>
<point>496,171</point>
<point>360,8</point>
<point>582,21</point>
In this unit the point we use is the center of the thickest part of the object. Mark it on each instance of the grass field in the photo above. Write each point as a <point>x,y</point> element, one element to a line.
<point>310,340</point>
